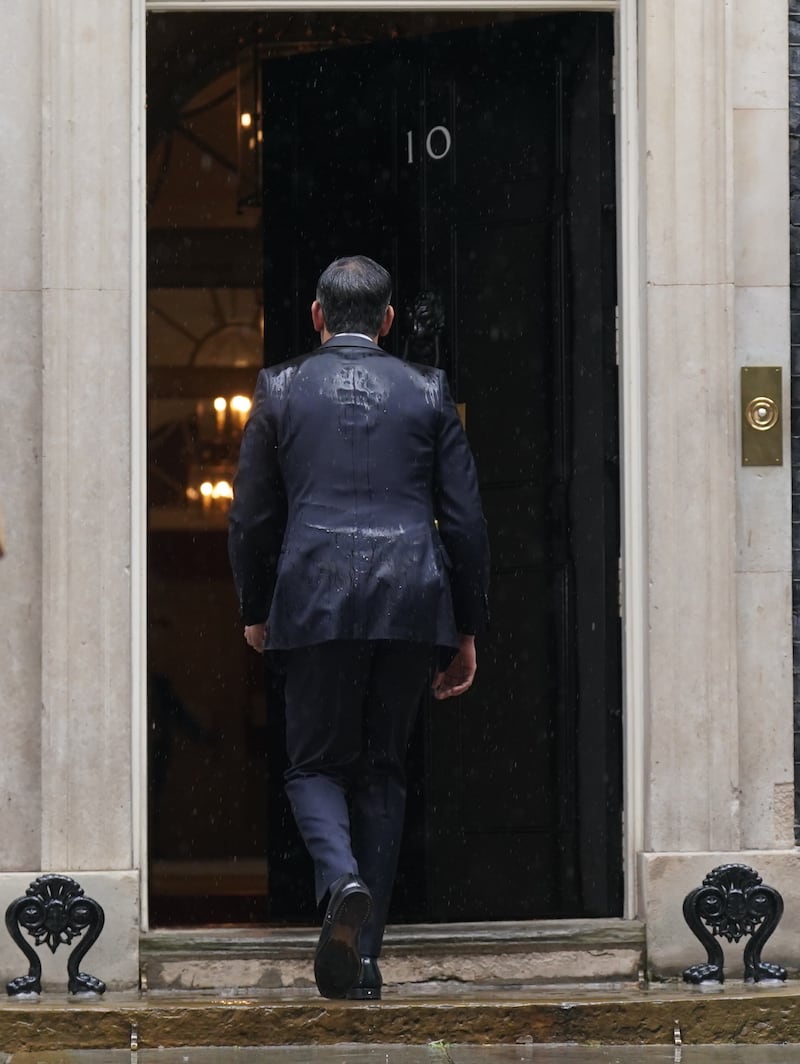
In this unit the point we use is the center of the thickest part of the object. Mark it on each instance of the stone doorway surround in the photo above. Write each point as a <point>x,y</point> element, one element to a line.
<point>717,771</point>
<point>704,289</point>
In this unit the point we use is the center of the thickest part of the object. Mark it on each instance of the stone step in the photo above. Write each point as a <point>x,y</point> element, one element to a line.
<point>522,1019</point>
<point>546,952</point>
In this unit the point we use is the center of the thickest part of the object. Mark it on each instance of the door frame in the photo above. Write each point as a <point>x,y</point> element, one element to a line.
<point>633,561</point>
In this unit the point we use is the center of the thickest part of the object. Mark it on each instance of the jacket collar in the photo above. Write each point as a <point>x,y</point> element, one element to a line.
<point>348,340</point>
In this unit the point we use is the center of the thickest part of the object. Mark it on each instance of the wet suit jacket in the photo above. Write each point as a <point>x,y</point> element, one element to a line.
<point>349,460</point>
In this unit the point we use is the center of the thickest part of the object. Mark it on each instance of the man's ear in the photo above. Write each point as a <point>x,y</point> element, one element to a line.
<point>388,318</point>
<point>317,317</point>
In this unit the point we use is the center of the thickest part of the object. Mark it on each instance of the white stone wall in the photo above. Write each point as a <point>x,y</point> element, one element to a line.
<point>86,354</point>
<point>763,532</point>
<point>21,432</point>
<point>65,441</point>
<point>719,774</point>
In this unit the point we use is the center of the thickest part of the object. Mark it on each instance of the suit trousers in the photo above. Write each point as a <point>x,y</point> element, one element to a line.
<point>350,709</point>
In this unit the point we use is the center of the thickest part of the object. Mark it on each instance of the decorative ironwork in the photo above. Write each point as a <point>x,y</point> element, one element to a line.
<point>424,324</point>
<point>733,904</point>
<point>54,911</point>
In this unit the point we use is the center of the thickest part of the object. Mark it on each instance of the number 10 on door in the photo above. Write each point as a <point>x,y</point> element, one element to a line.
<point>437,143</point>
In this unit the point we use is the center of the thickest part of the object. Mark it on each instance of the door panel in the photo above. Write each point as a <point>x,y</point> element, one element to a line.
<point>520,798</point>
<point>525,543</point>
<point>496,203</point>
<point>478,165</point>
<point>334,178</point>
<point>593,494</point>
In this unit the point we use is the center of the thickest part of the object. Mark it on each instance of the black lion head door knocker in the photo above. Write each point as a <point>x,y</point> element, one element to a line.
<point>424,322</point>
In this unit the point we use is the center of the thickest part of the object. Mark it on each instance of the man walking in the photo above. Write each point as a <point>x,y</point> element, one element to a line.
<point>359,551</point>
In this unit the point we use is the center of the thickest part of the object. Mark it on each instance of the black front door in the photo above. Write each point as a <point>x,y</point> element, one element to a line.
<point>477,166</point>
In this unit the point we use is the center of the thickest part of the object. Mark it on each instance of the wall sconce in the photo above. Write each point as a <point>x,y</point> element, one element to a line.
<point>248,129</point>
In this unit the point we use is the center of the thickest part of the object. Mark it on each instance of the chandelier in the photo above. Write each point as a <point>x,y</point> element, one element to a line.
<point>220,424</point>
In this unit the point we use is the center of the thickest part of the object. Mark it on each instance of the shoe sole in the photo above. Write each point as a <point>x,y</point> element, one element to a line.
<point>337,964</point>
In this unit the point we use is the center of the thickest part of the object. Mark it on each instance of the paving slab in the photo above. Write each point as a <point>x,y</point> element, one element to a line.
<point>437,1053</point>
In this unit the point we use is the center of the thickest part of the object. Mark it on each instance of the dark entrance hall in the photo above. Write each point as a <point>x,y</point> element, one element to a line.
<point>475,159</point>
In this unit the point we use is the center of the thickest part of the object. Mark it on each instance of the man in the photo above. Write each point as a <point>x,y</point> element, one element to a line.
<point>348,461</point>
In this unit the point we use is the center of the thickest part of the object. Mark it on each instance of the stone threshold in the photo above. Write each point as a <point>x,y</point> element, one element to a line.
<point>523,1016</point>
<point>529,953</point>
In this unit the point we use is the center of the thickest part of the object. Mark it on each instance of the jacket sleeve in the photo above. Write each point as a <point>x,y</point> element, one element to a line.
<point>462,526</point>
<point>257,519</point>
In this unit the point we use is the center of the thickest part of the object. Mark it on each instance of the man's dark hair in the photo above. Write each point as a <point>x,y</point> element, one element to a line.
<point>354,293</point>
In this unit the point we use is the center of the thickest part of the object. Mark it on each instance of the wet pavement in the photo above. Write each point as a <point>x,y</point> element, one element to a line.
<point>434,1053</point>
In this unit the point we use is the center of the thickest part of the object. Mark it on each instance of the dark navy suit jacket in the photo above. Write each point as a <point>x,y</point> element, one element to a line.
<point>349,460</point>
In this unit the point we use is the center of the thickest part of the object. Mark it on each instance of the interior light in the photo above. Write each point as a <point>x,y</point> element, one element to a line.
<point>241,404</point>
<point>246,120</point>
<point>222,490</point>
<point>206,489</point>
<point>220,403</point>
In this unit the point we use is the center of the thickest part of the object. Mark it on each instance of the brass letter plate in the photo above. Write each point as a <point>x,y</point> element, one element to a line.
<point>762,431</point>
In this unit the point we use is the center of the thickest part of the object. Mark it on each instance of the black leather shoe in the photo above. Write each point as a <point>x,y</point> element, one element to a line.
<point>337,963</point>
<point>368,987</point>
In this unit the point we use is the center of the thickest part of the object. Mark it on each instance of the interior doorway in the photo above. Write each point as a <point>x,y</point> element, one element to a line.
<point>474,156</point>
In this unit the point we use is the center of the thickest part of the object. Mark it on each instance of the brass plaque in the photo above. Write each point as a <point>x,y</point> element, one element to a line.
<point>762,421</point>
